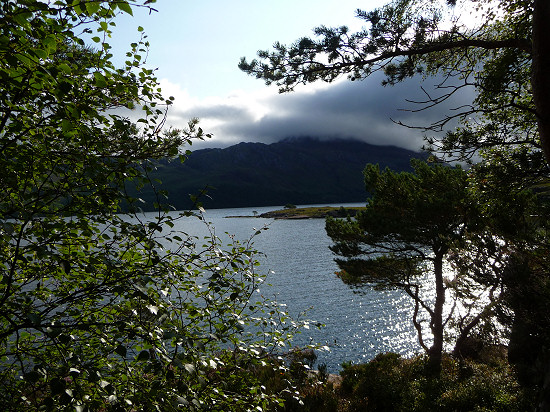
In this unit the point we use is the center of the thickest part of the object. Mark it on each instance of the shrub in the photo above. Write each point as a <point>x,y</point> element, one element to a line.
<point>390,383</point>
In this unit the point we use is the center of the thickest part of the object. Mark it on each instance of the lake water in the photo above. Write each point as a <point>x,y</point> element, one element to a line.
<point>359,322</point>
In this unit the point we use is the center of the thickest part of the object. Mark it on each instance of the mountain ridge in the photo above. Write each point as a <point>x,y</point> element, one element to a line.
<point>293,170</point>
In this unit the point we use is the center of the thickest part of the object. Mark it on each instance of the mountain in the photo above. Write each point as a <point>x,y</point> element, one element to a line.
<point>294,170</point>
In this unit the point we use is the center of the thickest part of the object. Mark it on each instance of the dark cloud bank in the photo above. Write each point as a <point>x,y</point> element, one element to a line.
<point>361,110</point>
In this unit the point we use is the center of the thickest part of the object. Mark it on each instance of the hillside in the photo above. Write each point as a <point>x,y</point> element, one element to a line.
<point>297,170</point>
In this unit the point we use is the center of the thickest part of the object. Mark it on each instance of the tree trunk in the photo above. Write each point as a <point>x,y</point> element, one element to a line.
<point>540,80</point>
<point>436,324</point>
<point>540,84</point>
<point>462,347</point>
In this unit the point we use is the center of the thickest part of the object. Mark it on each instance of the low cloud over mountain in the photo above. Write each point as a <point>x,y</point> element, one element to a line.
<point>361,110</point>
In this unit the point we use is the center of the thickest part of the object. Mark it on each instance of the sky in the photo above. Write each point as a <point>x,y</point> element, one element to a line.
<point>195,48</point>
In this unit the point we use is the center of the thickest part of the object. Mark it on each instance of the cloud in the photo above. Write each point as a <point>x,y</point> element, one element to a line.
<point>361,110</point>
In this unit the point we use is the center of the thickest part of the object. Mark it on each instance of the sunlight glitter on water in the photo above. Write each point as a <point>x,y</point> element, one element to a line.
<point>359,322</point>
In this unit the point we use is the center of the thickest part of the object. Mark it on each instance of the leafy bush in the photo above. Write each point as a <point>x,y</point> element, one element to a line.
<point>390,383</point>
<point>301,388</point>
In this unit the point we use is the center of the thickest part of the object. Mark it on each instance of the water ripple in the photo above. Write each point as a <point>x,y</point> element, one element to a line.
<point>359,322</point>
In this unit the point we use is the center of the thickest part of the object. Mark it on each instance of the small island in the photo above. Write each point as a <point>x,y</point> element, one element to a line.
<point>308,212</point>
<point>311,212</point>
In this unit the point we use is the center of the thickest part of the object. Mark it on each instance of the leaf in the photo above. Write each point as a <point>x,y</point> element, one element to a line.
<point>100,79</point>
<point>22,18</point>
<point>24,59</point>
<point>121,350</point>
<point>190,368</point>
<point>35,318</point>
<point>66,126</point>
<point>76,7</point>
<point>92,7</point>
<point>125,7</point>
<point>41,53</point>
<point>57,386</point>
<point>64,67</point>
<point>153,309</point>
<point>50,42</point>
<point>143,355</point>
<point>32,376</point>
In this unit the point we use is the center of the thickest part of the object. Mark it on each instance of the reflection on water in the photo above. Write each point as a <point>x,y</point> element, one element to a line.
<point>359,322</point>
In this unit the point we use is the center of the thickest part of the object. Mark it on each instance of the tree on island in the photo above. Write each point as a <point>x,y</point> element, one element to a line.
<point>100,309</point>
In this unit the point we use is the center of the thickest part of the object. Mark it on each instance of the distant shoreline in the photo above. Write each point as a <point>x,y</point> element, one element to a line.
<point>299,213</point>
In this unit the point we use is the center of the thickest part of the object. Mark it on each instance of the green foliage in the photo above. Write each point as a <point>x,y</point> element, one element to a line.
<point>527,296</point>
<point>406,214</point>
<point>302,389</point>
<point>101,310</point>
<point>335,51</point>
<point>381,272</point>
<point>402,38</point>
<point>411,224</point>
<point>390,383</point>
<point>381,376</point>
<point>432,204</point>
